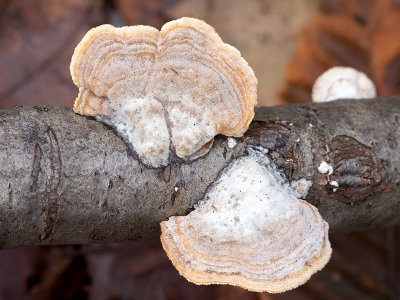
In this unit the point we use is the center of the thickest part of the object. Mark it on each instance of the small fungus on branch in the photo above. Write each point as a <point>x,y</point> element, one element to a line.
<point>181,86</point>
<point>342,83</point>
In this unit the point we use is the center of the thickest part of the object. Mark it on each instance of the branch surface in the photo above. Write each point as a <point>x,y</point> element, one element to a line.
<point>68,179</point>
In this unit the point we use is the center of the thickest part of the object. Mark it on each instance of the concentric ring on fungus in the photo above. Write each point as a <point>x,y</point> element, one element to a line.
<point>248,231</point>
<point>176,87</point>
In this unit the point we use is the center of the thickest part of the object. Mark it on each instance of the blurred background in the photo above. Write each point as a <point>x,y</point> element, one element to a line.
<point>288,44</point>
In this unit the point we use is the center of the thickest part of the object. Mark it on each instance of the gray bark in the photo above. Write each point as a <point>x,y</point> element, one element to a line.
<point>68,179</point>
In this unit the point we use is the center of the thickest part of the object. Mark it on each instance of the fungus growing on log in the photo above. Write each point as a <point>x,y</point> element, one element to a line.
<point>249,231</point>
<point>342,83</point>
<point>180,86</point>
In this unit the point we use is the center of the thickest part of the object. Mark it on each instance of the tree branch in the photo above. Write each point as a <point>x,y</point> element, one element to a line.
<point>68,179</point>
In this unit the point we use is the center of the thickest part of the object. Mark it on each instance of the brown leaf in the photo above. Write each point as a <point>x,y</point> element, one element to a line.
<point>143,12</point>
<point>360,34</point>
<point>37,39</point>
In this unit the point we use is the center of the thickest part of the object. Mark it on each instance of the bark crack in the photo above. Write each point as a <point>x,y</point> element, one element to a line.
<point>37,157</point>
<point>53,186</point>
<point>10,195</point>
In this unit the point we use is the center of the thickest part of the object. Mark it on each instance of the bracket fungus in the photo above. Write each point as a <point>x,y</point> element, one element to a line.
<point>342,83</point>
<point>249,231</point>
<point>178,87</point>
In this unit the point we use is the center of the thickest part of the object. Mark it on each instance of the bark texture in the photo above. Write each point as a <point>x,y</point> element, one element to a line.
<point>67,179</point>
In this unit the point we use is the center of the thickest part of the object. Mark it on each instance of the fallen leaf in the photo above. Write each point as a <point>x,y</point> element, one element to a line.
<point>37,39</point>
<point>360,34</point>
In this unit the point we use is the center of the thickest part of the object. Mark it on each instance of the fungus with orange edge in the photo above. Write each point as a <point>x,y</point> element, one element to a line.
<point>181,86</point>
<point>249,231</point>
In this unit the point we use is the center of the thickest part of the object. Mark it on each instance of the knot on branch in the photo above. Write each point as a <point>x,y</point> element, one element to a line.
<point>281,141</point>
<point>357,170</point>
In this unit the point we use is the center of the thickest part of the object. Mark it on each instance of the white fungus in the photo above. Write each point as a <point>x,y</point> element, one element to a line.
<point>324,168</point>
<point>199,88</point>
<point>342,83</point>
<point>247,210</point>
<point>142,124</point>
<point>231,142</point>
<point>334,183</point>
<point>300,187</point>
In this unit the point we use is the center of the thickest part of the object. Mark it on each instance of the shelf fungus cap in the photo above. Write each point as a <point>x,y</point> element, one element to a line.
<point>342,83</point>
<point>248,231</point>
<point>183,78</point>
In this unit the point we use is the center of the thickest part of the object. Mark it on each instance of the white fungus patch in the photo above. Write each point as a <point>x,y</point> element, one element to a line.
<point>300,187</point>
<point>190,128</point>
<point>334,183</point>
<point>231,143</point>
<point>247,198</point>
<point>141,122</point>
<point>246,210</point>
<point>324,168</point>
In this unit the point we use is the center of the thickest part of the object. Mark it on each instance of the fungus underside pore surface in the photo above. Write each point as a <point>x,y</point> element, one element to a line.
<point>249,230</point>
<point>176,87</point>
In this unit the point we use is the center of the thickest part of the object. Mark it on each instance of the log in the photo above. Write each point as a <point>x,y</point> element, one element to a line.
<point>68,179</point>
